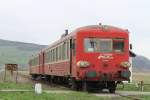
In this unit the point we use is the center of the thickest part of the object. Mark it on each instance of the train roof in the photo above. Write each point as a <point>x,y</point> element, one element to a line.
<point>108,28</point>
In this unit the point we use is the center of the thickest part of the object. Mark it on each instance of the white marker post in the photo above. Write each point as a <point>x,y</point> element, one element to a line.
<point>130,69</point>
<point>38,88</point>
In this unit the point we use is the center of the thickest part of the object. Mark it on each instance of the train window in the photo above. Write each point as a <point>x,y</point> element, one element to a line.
<point>64,51</point>
<point>60,52</point>
<point>74,47</point>
<point>46,55</point>
<point>118,45</point>
<point>98,45</point>
<point>51,56</point>
<point>90,45</point>
<point>35,61</point>
<point>56,53</point>
<point>105,45</point>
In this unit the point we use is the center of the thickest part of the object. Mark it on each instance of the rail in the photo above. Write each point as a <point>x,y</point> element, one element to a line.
<point>131,97</point>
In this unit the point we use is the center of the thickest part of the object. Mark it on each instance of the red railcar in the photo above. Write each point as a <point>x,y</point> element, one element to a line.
<point>94,56</point>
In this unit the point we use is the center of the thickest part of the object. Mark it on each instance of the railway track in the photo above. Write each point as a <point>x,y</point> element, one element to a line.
<point>45,84</point>
<point>129,96</point>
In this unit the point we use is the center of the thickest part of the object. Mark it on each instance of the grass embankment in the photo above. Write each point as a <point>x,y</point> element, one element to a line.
<point>12,85</point>
<point>145,77</point>
<point>135,85</point>
<point>44,96</point>
<point>70,95</point>
<point>49,96</point>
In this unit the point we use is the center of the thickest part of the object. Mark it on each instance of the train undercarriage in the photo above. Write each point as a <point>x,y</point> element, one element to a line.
<point>84,85</point>
<point>92,86</point>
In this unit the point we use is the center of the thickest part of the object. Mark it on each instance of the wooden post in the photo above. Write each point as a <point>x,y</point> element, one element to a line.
<point>142,86</point>
<point>17,76</point>
<point>11,68</point>
<point>5,75</point>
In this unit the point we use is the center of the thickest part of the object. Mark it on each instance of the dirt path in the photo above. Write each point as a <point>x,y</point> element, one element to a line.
<point>123,93</point>
<point>118,93</point>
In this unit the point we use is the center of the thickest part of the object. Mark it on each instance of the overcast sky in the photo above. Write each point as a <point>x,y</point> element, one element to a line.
<point>43,21</point>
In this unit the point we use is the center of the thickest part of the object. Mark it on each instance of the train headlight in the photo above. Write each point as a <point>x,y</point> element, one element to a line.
<point>125,64</point>
<point>83,63</point>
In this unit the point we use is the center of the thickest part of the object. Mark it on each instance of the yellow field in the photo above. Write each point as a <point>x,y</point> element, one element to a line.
<point>145,77</point>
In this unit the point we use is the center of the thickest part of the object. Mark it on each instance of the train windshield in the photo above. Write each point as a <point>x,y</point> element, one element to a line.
<point>118,45</point>
<point>103,45</point>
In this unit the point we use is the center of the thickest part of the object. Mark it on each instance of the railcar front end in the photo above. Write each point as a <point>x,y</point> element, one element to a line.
<point>102,57</point>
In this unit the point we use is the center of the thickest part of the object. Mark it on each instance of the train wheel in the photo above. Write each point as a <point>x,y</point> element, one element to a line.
<point>84,86</point>
<point>112,90</point>
<point>33,77</point>
<point>73,84</point>
<point>112,87</point>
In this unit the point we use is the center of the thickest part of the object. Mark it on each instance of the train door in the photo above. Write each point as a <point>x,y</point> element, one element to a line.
<point>73,57</point>
<point>41,63</point>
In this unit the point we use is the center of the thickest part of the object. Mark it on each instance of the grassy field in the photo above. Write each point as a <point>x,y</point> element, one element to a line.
<point>13,85</point>
<point>132,87</point>
<point>145,77</point>
<point>137,77</point>
<point>49,96</point>
<point>71,95</point>
<point>44,96</point>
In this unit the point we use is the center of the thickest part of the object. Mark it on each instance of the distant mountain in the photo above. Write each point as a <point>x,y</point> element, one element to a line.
<point>141,63</point>
<point>17,52</point>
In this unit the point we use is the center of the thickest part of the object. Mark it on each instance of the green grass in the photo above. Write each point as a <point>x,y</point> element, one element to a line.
<point>137,77</point>
<point>13,85</point>
<point>70,95</point>
<point>132,87</point>
<point>49,96</point>
<point>55,96</point>
<point>145,97</point>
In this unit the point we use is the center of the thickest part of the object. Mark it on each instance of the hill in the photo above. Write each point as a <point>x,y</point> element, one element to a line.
<point>141,64</point>
<point>17,52</point>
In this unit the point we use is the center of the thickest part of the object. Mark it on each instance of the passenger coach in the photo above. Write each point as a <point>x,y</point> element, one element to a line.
<point>94,56</point>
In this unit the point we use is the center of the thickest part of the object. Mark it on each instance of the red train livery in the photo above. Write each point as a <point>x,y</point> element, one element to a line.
<point>95,56</point>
